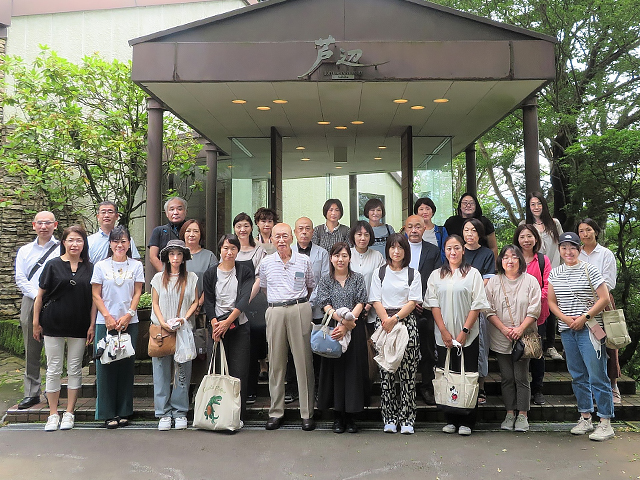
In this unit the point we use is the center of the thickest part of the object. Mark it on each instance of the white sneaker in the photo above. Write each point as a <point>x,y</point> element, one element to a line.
<point>449,428</point>
<point>522,423</point>
<point>615,391</point>
<point>553,354</point>
<point>604,431</point>
<point>583,426</point>
<point>67,421</point>
<point>466,431</point>
<point>181,423</point>
<point>406,429</point>
<point>164,424</point>
<point>507,423</point>
<point>390,428</point>
<point>52,423</point>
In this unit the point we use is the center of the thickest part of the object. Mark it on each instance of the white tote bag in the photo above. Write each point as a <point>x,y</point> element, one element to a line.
<point>217,405</point>
<point>455,392</point>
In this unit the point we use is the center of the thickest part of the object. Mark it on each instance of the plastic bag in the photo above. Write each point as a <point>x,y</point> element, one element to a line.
<point>185,344</point>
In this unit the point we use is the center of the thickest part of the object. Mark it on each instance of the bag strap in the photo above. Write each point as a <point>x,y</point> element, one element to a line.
<point>595,294</point>
<point>541,267</point>
<point>224,367</point>
<point>506,299</point>
<point>447,361</point>
<point>40,262</point>
<point>383,271</point>
<point>184,287</point>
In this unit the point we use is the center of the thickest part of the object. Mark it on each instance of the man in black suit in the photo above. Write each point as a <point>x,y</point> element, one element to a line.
<point>425,258</point>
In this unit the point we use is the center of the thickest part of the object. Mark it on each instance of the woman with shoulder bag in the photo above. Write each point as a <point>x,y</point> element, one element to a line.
<point>227,288</point>
<point>515,300</point>
<point>175,300</point>
<point>116,285</point>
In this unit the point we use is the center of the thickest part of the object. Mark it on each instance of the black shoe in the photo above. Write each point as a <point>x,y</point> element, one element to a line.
<point>538,398</point>
<point>290,397</point>
<point>28,402</point>
<point>352,427</point>
<point>427,396</point>
<point>263,376</point>
<point>251,399</point>
<point>308,424</point>
<point>338,426</point>
<point>274,423</point>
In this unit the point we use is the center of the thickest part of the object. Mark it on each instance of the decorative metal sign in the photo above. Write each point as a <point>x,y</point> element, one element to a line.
<point>349,58</point>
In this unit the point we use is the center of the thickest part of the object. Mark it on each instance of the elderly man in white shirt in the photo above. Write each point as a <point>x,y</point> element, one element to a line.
<point>288,280</point>
<point>29,262</point>
<point>99,241</point>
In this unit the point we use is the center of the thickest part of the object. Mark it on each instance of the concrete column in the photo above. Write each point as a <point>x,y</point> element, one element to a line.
<point>406,167</point>
<point>472,174</point>
<point>531,148</point>
<point>275,196</point>
<point>154,176</point>
<point>353,199</point>
<point>211,205</point>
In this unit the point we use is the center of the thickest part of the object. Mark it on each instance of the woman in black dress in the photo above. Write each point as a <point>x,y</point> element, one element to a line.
<point>343,381</point>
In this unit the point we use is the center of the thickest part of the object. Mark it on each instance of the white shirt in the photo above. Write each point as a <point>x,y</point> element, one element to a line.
<point>604,259</point>
<point>99,247</point>
<point>396,292</point>
<point>366,264</point>
<point>416,250</point>
<point>286,281</point>
<point>118,285</point>
<point>28,256</point>
<point>456,296</point>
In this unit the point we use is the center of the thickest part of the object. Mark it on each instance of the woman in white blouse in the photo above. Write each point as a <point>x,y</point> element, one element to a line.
<point>515,299</point>
<point>455,295</point>
<point>395,290</point>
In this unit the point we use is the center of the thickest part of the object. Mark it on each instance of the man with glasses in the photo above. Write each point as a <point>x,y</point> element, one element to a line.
<point>176,211</point>
<point>29,262</point>
<point>99,241</point>
<point>288,279</point>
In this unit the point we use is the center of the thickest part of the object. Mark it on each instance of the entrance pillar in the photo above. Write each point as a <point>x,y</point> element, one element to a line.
<point>211,205</point>
<point>406,168</point>
<point>472,174</point>
<point>275,195</point>
<point>353,199</point>
<point>155,111</point>
<point>531,155</point>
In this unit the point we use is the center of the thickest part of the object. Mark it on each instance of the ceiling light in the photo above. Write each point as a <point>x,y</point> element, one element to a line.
<point>340,127</point>
<point>300,148</point>
<point>242,147</point>
<point>377,158</point>
<point>441,100</point>
<point>357,122</point>
<point>263,108</point>
<point>280,101</point>
<point>338,166</point>
<point>305,159</point>
<point>238,101</point>
<point>229,166</point>
<point>417,107</point>
<point>382,147</point>
<point>400,100</point>
<point>323,122</point>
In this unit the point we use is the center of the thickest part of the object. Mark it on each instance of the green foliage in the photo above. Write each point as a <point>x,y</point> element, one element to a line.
<point>76,134</point>
<point>145,301</point>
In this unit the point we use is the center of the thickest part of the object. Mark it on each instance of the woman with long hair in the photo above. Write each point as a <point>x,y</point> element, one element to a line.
<point>456,296</point>
<point>116,286</point>
<point>63,312</point>
<point>343,381</point>
<point>174,297</point>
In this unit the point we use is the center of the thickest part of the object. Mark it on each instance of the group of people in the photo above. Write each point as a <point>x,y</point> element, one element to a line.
<point>436,289</point>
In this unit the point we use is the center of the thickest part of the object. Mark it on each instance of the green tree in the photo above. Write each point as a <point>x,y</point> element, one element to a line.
<point>76,135</point>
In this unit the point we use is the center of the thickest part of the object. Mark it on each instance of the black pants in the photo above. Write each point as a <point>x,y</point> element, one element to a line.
<point>425,324</point>
<point>258,334</point>
<point>471,354</point>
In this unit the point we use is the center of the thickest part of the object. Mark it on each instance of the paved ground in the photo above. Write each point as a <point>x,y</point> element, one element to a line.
<point>11,371</point>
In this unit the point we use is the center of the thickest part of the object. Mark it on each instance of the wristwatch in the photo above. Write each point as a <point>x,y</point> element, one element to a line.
<point>587,316</point>
<point>396,315</point>
<point>131,312</point>
<point>465,330</point>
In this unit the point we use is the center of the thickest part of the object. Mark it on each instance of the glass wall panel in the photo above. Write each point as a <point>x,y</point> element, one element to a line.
<point>432,176</point>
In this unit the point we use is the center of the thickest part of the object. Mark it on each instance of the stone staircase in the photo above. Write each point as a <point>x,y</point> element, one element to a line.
<point>560,403</point>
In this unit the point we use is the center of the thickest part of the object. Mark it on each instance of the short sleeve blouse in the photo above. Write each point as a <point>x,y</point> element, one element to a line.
<point>118,280</point>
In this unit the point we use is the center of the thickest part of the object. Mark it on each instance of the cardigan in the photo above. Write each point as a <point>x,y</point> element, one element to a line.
<point>246,279</point>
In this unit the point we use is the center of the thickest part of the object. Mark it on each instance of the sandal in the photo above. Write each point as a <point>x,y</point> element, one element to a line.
<point>111,423</point>
<point>482,397</point>
<point>123,422</point>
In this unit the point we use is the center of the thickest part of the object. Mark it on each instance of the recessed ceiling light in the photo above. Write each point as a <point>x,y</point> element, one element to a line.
<point>300,147</point>
<point>377,158</point>
<point>338,166</point>
<point>238,101</point>
<point>305,159</point>
<point>400,100</point>
<point>382,147</point>
<point>324,122</point>
<point>263,108</point>
<point>357,122</point>
<point>417,107</point>
<point>280,101</point>
<point>340,127</point>
<point>229,166</point>
<point>441,100</point>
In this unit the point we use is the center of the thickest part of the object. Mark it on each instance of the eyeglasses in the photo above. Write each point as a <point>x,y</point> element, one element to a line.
<point>44,223</point>
<point>107,212</point>
<point>469,203</point>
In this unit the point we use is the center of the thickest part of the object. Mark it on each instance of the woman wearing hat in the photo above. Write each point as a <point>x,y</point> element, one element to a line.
<point>577,295</point>
<point>175,299</point>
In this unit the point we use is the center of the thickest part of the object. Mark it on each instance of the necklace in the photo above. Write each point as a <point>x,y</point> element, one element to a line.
<point>121,276</point>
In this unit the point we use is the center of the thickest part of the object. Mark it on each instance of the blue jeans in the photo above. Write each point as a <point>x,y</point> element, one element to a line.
<point>588,372</point>
<point>168,403</point>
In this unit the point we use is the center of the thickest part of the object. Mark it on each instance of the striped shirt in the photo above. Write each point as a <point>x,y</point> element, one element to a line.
<point>286,281</point>
<point>573,293</point>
